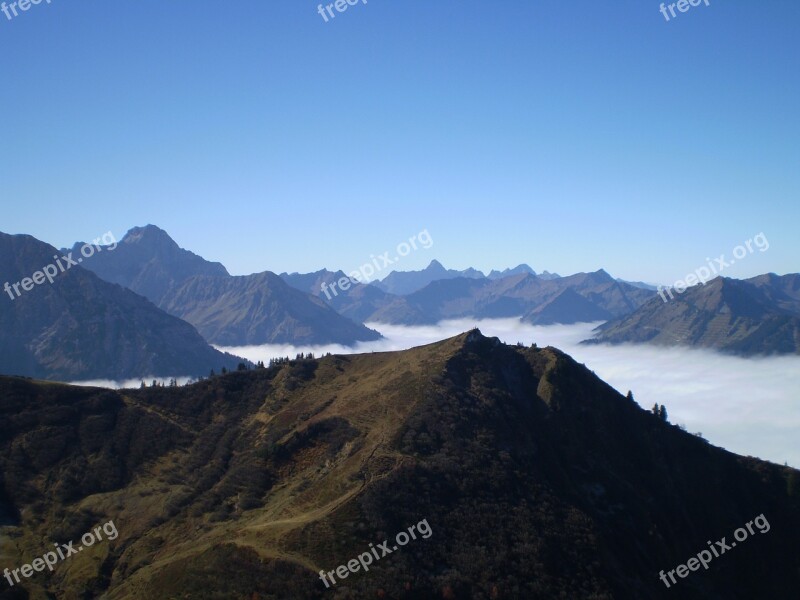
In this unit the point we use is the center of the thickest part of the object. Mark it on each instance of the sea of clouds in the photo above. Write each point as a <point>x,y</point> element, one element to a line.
<point>750,406</point>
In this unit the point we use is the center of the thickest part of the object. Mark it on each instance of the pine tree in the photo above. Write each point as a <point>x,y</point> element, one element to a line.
<point>663,413</point>
<point>793,484</point>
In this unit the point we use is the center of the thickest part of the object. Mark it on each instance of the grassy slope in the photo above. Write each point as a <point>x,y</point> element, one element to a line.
<point>536,478</point>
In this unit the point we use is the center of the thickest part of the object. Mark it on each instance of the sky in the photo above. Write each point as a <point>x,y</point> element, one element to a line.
<point>571,136</point>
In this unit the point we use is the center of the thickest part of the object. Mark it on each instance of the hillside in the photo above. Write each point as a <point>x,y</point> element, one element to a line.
<point>536,479</point>
<point>149,262</point>
<point>230,311</point>
<point>80,327</point>
<point>260,309</point>
<point>751,317</point>
<point>359,302</point>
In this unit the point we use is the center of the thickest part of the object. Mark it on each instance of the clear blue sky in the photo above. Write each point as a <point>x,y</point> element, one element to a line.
<point>568,135</point>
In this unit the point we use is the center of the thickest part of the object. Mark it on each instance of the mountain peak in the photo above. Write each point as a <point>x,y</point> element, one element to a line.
<point>149,234</point>
<point>149,262</point>
<point>518,270</point>
<point>474,335</point>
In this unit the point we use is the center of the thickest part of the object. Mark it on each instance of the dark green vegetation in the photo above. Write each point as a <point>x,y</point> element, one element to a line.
<point>751,317</point>
<point>538,481</point>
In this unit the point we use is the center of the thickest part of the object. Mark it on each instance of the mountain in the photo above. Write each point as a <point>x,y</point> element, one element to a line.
<point>597,297</point>
<point>358,303</point>
<point>80,327</point>
<point>548,275</point>
<point>640,284</point>
<point>566,308</point>
<point>149,262</point>
<point>749,317</point>
<point>402,283</point>
<point>514,296</point>
<point>518,270</point>
<point>524,475</point>
<point>260,309</point>
<point>227,310</point>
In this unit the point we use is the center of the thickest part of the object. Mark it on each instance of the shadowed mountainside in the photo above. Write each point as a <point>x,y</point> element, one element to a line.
<point>359,302</point>
<point>149,262</point>
<point>260,309</point>
<point>751,317</point>
<point>80,327</point>
<point>230,311</point>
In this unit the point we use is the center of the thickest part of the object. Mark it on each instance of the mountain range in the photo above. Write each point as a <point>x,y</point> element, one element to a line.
<point>229,311</point>
<point>745,317</point>
<point>122,335</point>
<point>536,480</point>
<point>293,308</point>
<point>402,283</point>
<point>80,327</point>
<point>528,295</point>
<point>595,297</point>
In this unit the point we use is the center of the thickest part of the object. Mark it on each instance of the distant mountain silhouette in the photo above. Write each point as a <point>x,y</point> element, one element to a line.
<point>566,308</point>
<point>597,297</point>
<point>534,477</point>
<point>358,303</point>
<point>149,262</point>
<point>227,310</point>
<point>81,327</point>
<point>260,309</point>
<point>514,296</point>
<point>407,282</point>
<point>640,284</point>
<point>518,270</point>
<point>754,316</point>
<point>548,275</point>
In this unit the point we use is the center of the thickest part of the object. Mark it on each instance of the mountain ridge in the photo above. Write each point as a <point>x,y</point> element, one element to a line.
<point>748,317</point>
<point>233,311</point>
<point>536,477</point>
<point>80,327</point>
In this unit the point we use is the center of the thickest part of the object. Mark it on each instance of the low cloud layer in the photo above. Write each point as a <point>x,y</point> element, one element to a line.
<point>131,383</point>
<point>750,406</point>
